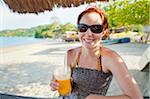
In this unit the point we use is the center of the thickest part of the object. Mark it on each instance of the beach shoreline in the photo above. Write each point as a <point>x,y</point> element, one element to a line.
<point>26,70</point>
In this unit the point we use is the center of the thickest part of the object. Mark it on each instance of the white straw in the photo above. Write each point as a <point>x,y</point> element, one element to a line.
<point>65,62</point>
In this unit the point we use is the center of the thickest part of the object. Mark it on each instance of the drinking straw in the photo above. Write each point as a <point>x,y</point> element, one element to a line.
<point>65,63</point>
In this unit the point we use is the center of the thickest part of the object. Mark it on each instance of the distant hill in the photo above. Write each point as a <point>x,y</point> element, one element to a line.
<point>52,30</point>
<point>22,32</point>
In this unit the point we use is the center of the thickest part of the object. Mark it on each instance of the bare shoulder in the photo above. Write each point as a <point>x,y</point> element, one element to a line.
<point>73,51</point>
<point>111,59</point>
<point>109,53</point>
<point>72,54</point>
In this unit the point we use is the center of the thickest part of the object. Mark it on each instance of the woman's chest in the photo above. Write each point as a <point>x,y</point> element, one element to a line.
<point>88,63</point>
<point>87,77</point>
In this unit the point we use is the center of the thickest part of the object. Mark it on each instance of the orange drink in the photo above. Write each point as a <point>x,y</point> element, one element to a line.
<point>62,76</point>
<point>65,87</point>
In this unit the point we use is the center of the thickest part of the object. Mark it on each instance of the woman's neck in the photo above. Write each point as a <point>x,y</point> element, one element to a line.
<point>88,52</point>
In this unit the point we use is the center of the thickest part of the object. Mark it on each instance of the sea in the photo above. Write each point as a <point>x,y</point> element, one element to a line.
<point>14,41</point>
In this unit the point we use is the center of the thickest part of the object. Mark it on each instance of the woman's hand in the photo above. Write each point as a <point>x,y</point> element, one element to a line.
<point>54,84</point>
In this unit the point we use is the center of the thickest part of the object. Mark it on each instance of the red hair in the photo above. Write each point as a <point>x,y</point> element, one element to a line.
<point>102,16</point>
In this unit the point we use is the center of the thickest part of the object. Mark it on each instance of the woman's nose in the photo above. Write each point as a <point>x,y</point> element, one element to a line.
<point>89,32</point>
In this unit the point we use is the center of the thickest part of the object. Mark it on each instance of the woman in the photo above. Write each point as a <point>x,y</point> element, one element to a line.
<point>94,65</point>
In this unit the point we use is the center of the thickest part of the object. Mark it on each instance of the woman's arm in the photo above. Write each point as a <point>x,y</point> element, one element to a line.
<point>126,82</point>
<point>92,96</point>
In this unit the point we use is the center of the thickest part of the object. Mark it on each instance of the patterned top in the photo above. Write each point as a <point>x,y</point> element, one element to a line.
<point>89,81</point>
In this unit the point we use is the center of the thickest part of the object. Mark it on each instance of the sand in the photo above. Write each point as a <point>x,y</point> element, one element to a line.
<point>26,70</point>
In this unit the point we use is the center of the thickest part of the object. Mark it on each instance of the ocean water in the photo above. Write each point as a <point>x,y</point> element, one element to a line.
<point>14,41</point>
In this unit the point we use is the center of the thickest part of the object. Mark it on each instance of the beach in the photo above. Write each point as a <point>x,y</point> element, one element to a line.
<point>26,70</point>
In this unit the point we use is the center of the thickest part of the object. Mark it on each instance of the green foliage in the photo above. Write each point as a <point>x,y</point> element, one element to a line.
<point>53,30</point>
<point>38,35</point>
<point>128,12</point>
<point>18,32</point>
<point>69,27</point>
<point>138,28</point>
<point>56,30</point>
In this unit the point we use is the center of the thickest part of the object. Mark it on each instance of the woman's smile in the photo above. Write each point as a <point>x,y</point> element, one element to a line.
<point>89,41</point>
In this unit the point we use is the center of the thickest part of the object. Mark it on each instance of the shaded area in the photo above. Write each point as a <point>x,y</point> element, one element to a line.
<point>52,51</point>
<point>26,77</point>
<point>142,79</point>
<point>146,68</point>
<point>135,49</point>
<point>8,96</point>
<point>56,51</point>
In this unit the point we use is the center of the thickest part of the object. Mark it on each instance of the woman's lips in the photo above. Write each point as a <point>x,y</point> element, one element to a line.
<point>89,41</point>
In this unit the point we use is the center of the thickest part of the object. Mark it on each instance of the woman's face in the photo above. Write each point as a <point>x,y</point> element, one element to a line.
<point>89,38</point>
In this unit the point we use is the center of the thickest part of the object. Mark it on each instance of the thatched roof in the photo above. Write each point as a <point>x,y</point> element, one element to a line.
<point>36,6</point>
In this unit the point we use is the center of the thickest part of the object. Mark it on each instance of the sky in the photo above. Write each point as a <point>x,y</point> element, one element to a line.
<point>14,20</point>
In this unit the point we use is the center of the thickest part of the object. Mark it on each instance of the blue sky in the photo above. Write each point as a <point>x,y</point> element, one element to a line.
<point>13,20</point>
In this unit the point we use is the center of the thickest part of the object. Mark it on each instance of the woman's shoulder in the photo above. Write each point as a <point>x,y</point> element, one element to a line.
<point>110,56</point>
<point>108,52</point>
<point>105,49</point>
<point>72,54</point>
<point>74,50</point>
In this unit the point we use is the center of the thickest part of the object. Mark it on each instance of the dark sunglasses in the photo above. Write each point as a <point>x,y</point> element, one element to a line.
<point>94,28</point>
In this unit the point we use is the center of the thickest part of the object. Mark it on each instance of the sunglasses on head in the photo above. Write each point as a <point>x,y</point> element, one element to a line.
<point>94,28</point>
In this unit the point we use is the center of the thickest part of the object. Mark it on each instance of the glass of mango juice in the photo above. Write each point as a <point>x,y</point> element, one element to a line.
<point>63,77</point>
